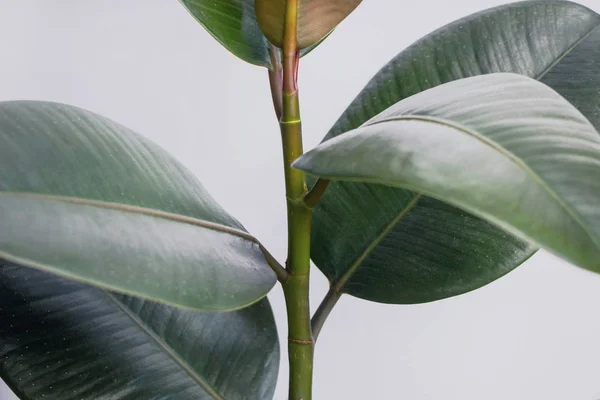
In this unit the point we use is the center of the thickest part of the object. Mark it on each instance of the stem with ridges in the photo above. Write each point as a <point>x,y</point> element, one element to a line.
<point>296,286</point>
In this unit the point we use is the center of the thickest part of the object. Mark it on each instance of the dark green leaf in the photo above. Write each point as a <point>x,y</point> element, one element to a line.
<point>394,253</point>
<point>233,24</point>
<point>64,340</point>
<point>316,18</point>
<point>87,198</point>
<point>502,146</point>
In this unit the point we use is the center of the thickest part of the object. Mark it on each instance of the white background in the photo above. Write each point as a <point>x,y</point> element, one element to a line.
<point>147,64</point>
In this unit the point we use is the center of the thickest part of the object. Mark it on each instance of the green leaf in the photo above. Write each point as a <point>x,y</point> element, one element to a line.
<point>233,24</point>
<point>86,198</point>
<point>64,340</point>
<point>316,19</point>
<point>503,147</point>
<point>393,251</point>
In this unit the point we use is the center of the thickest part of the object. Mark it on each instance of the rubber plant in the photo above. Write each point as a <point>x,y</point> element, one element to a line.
<point>121,278</point>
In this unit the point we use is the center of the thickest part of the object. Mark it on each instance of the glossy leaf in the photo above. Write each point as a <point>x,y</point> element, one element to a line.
<point>60,339</point>
<point>316,18</point>
<point>86,198</point>
<point>502,146</point>
<point>393,251</point>
<point>233,24</point>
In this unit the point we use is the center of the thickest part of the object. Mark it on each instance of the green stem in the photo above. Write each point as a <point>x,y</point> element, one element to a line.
<point>296,286</point>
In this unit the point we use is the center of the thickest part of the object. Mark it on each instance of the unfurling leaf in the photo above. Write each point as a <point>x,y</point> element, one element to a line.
<point>233,24</point>
<point>315,19</point>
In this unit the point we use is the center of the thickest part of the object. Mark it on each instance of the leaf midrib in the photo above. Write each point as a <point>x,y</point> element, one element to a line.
<point>167,349</point>
<point>509,155</point>
<point>404,211</point>
<point>339,285</point>
<point>568,51</point>
<point>139,210</point>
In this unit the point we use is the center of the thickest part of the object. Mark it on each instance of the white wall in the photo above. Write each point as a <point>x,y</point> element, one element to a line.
<point>147,64</point>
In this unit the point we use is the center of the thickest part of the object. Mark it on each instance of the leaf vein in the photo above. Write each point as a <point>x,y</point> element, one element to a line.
<point>509,155</point>
<point>164,346</point>
<point>348,274</point>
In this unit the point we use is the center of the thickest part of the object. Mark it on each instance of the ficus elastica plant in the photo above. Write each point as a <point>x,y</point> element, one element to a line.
<point>122,278</point>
